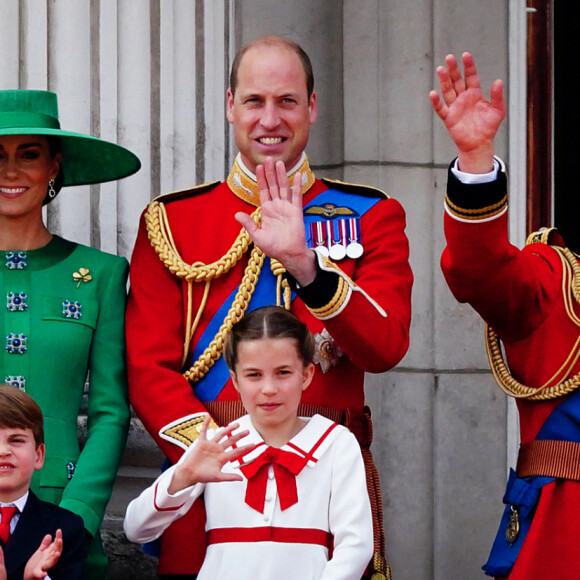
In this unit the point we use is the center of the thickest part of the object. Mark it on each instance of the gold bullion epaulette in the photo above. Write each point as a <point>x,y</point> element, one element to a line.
<point>185,431</point>
<point>543,235</point>
<point>185,193</point>
<point>355,188</point>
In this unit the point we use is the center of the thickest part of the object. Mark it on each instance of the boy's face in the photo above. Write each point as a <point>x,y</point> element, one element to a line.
<point>270,377</point>
<point>19,458</point>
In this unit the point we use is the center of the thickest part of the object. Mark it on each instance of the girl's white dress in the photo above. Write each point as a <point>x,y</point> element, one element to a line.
<point>333,508</point>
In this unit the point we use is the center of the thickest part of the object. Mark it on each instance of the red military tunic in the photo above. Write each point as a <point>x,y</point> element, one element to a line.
<point>519,293</point>
<point>369,323</point>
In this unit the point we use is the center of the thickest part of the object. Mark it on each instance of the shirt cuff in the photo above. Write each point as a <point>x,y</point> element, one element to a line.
<point>478,200</point>
<point>474,178</point>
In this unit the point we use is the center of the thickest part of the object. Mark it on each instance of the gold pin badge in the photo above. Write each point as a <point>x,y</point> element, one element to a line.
<point>82,276</point>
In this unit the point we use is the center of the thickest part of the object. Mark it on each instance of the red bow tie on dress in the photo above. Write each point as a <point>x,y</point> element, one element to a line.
<point>6,515</point>
<point>286,466</point>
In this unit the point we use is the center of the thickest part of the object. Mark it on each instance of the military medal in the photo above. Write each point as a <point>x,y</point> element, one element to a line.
<point>319,237</point>
<point>338,247</point>
<point>337,235</point>
<point>513,529</point>
<point>354,248</point>
<point>326,352</point>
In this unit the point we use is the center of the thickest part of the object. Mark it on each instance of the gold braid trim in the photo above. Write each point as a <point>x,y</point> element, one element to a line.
<point>239,306</point>
<point>501,373</point>
<point>161,239</point>
<point>282,286</point>
<point>479,213</point>
<point>336,301</point>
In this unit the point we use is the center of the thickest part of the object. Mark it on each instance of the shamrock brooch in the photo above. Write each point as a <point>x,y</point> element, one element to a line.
<point>82,276</point>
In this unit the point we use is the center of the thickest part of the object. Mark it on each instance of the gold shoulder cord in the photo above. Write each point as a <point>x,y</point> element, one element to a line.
<point>161,239</point>
<point>513,388</point>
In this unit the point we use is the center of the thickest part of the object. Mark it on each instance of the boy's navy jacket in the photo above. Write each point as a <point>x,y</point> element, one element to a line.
<point>36,520</point>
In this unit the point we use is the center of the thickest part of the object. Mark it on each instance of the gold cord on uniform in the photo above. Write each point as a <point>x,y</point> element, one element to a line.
<point>161,239</point>
<point>500,371</point>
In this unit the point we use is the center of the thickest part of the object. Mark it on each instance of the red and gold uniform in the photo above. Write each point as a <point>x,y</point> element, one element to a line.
<point>529,300</point>
<point>189,261</point>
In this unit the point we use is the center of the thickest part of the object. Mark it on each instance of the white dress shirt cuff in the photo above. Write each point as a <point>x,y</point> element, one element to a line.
<point>474,178</point>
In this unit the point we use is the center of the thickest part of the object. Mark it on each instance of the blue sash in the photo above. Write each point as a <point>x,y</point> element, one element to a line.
<point>209,386</point>
<point>523,493</point>
<point>212,383</point>
<point>563,424</point>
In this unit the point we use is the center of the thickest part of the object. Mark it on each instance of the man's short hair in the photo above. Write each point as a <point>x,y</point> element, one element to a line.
<point>19,410</point>
<point>279,41</point>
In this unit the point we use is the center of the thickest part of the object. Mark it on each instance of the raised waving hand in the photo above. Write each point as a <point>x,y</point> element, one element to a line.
<point>471,120</point>
<point>204,462</point>
<point>281,235</point>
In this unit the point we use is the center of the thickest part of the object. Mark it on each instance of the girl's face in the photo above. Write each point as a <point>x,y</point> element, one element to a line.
<point>270,377</point>
<point>26,166</point>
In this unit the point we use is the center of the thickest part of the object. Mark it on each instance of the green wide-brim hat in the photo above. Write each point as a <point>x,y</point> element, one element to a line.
<point>85,159</point>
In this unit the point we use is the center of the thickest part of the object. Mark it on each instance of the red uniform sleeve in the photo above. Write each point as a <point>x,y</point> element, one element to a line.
<point>513,290</point>
<point>371,325</point>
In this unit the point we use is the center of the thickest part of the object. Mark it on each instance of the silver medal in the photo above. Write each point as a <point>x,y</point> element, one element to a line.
<point>354,250</point>
<point>337,252</point>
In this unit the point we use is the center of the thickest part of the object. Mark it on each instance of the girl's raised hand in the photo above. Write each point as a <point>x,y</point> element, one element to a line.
<point>204,461</point>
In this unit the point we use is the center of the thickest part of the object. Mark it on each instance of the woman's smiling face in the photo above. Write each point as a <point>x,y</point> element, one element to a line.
<point>26,166</point>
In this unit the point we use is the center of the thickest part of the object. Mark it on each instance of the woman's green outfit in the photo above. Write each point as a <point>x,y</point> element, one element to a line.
<point>63,323</point>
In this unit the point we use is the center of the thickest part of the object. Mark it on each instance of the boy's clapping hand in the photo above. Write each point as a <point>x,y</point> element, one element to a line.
<point>44,558</point>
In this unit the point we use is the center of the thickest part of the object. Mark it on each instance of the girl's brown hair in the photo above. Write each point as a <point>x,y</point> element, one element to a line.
<point>269,322</point>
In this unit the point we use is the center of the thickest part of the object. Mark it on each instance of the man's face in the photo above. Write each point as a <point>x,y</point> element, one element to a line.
<point>270,110</point>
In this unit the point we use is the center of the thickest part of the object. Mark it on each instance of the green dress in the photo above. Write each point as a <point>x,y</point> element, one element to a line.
<point>64,323</point>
